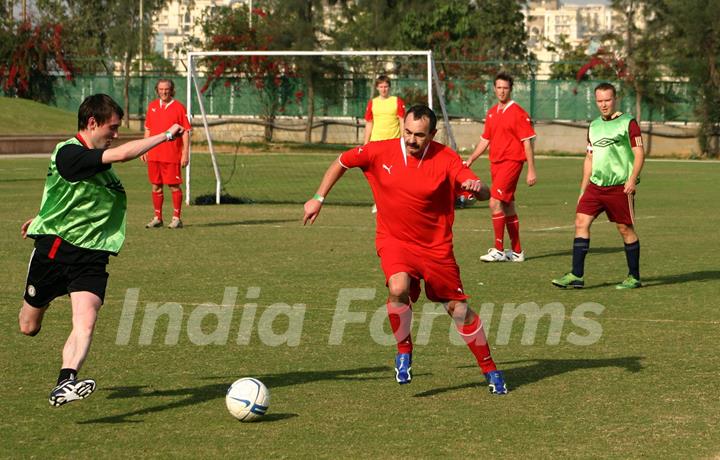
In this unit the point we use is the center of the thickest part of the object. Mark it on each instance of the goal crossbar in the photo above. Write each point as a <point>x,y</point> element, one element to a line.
<point>191,75</point>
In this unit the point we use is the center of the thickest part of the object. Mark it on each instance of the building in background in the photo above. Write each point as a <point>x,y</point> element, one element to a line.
<point>182,19</point>
<point>549,21</point>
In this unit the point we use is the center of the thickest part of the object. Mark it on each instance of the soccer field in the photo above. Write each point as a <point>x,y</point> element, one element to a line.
<point>593,373</point>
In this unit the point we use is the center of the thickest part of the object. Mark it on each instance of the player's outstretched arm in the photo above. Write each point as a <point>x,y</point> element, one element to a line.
<point>134,149</point>
<point>480,190</point>
<point>479,149</point>
<point>314,204</point>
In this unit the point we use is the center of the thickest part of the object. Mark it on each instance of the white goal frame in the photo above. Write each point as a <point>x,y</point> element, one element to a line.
<point>192,82</point>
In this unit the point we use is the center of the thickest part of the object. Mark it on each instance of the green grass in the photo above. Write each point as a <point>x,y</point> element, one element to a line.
<point>22,116</point>
<point>25,117</point>
<point>647,388</point>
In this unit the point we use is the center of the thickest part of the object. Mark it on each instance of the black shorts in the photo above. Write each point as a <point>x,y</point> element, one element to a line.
<point>48,279</point>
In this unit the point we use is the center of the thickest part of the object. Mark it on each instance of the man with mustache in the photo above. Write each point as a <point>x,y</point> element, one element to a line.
<point>415,182</point>
<point>80,224</point>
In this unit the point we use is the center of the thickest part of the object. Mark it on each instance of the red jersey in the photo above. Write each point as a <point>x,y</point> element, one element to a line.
<point>415,197</point>
<point>158,120</point>
<point>506,129</point>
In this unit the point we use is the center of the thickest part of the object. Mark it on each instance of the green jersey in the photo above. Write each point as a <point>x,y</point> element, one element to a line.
<point>88,213</point>
<point>612,155</point>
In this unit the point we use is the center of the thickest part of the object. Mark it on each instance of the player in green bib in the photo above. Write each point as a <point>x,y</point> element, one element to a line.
<point>611,172</point>
<point>80,224</point>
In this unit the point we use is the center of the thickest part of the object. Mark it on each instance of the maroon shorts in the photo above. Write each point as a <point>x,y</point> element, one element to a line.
<point>505,175</point>
<point>164,173</point>
<point>619,206</point>
<point>438,268</point>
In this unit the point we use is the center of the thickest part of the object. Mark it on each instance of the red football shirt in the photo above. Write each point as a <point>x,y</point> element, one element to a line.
<point>415,197</point>
<point>158,120</point>
<point>506,129</point>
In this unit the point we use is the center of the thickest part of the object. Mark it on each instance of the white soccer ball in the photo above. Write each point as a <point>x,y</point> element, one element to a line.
<point>247,399</point>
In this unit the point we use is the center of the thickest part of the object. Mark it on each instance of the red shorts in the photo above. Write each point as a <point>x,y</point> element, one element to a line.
<point>438,268</point>
<point>619,206</point>
<point>505,175</point>
<point>164,173</point>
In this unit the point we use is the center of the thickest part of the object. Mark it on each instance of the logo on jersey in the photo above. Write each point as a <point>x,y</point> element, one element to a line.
<point>499,191</point>
<point>388,168</point>
<point>31,290</point>
<point>153,109</point>
<point>605,142</point>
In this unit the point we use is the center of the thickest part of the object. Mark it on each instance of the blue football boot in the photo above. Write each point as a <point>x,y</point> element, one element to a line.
<point>403,369</point>
<point>496,383</point>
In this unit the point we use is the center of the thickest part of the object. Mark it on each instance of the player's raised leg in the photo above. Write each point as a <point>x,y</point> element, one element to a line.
<point>30,318</point>
<point>470,328</point>
<point>400,315</point>
<point>85,307</point>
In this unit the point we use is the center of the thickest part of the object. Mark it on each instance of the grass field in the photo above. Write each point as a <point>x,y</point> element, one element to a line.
<point>14,114</point>
<point>46,119</point>
<point>647,387</point>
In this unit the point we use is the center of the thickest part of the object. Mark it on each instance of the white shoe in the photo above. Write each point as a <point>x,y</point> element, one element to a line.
<point>374,209</point>
<point>513,256</point>
<point>176,223</point>
<point>494,255</point>
<point>71,390</point>
<point>154,223</point>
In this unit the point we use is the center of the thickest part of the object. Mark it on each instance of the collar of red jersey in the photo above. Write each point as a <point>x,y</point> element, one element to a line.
<point>511,102</point>
<point>166,105</point>
<point>404,152</point>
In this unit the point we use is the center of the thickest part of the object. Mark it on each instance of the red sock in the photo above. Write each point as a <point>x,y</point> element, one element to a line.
<point>498,220</point>
<point>513,228</point>
<point>400,316</point>
<point>157,199</point>
<point>177,202</point>
<point>474,336</point>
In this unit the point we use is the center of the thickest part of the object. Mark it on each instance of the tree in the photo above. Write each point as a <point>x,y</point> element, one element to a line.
<point>30,57</point>
<point>576,64</point>
<point>228,29</point>
<point>639,39</point>
<point>694,52</point>
<point>103,32</point>
<point>470,40</point>
<point>299,25</point>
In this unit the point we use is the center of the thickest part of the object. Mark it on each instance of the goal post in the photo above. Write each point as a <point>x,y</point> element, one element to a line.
<point>434,89</point>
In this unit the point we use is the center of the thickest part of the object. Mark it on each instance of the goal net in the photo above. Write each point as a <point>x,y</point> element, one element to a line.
<point>268,123</point>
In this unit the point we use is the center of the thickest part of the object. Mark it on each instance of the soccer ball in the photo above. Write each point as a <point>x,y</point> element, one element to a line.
<point>247,399</point>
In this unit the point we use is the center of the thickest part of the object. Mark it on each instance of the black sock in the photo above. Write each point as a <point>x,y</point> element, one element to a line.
<point>66,374</point>
<point>580,250</point>
<point>632,254</point>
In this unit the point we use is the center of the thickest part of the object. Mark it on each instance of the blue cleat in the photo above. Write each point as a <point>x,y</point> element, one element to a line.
<point>403,363</point>
<point>496,383</point>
